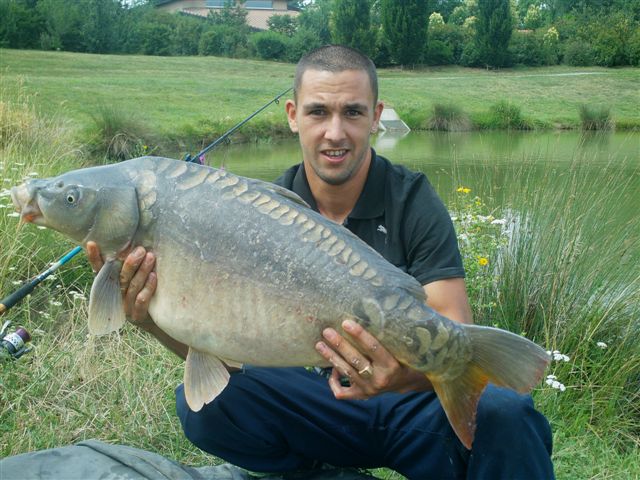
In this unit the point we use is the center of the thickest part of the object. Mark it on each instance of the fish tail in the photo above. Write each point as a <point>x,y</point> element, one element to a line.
<point>500,357</point>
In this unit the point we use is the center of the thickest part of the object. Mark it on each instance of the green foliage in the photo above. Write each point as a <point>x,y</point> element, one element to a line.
<point>302,42</point>
<point>114,135</point>
<point>533,49</point>
<point>405,26</point>
<point>448,118</point>
<point>314,19</point>
<point>20,24</point>
<point>444,44</point>
<point>493,32</point>
<point>502,115</point>
<point>284,24</point>
<point>223,40</point>
<point>270,45</point>
<point>595,117</point>
<point>351,24</point>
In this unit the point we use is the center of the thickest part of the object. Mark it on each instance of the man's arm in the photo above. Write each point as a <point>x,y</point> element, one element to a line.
<point>449,298</point>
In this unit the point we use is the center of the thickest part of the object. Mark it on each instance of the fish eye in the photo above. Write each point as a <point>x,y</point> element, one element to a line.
<point>71,197</point>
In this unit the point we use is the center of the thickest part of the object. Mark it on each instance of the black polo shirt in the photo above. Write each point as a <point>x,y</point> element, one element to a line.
<point>400,215</point>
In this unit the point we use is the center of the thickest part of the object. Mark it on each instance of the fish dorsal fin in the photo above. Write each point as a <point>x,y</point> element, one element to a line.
<point>204,378</point>
<point>283,192</point>
<point>106,312</point>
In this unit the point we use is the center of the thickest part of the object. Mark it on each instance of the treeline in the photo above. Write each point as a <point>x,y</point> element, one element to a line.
<point>486,33</point>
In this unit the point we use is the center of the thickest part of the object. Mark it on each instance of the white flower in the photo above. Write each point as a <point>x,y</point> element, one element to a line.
<point>55,303</point>
<point>553,383</point>
<point>51,277</point>
<point>40,227</point>
<point>602,345</point>
<point>13,214</point>
<point>16,282</point>
<point>499,221</point>
<point>557,356</point>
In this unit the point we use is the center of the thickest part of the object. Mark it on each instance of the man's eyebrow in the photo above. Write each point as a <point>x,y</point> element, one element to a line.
<point>313,106</point>
<point>362,107</point>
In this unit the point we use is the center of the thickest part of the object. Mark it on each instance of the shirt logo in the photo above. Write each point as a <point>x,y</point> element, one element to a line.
<point>382,230</point>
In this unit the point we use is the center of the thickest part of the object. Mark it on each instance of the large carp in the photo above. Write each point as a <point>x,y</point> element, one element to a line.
<point>247,273</point>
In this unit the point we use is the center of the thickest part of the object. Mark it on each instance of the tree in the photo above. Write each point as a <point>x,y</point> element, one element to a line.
<point>494,28</point>
<point>21,24</point>
<point>314,19</point>
<point>405,26</point>
<point>283,24</point>
<point>351,25</point>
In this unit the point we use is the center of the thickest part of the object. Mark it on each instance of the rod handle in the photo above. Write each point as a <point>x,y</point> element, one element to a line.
<point>9,301</point>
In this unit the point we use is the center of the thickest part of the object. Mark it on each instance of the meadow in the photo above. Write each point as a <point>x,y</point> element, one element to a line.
<point>555,259</point>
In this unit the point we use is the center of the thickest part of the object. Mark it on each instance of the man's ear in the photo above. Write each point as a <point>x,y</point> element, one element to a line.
<point>290,108</point>
<point>377,113</point>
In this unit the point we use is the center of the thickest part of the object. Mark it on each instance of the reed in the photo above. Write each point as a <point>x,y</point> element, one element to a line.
<point>448,118</point>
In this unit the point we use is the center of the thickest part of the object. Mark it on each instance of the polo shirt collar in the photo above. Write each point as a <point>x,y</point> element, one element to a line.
<point>370,204</point>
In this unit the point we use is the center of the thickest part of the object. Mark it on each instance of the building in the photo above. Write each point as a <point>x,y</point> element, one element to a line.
<point>259,10</point>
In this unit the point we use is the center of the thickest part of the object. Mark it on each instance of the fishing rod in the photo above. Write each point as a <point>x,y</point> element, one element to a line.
<point>9,301</point>
<point>199,157</point>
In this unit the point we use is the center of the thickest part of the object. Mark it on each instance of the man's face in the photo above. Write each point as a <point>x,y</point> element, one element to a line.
<point>334,115</point>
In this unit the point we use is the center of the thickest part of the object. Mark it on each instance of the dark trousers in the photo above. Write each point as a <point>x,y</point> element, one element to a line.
<point>287,419</point>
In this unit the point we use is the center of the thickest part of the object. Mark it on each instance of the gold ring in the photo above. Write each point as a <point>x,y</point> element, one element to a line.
<point>366,371</point>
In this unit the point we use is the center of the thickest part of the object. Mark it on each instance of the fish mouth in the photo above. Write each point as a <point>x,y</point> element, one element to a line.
<point>25,204</point>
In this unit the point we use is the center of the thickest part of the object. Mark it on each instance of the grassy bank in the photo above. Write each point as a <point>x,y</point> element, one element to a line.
<point>560,266</point>
<point>184,101</point>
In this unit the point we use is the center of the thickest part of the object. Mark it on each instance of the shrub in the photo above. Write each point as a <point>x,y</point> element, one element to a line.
<point>302,42</point>
<point>505,115</point>
<point>115,135</point>
<point>579,53</point>
<point>595,118</point>
<point>448,118</point>
<point>269,45</point>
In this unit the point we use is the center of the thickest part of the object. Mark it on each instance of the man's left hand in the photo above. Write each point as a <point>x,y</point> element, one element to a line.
<point>370,368</point>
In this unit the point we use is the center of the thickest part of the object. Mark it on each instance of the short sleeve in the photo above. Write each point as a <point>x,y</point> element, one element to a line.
<point>429,235</point>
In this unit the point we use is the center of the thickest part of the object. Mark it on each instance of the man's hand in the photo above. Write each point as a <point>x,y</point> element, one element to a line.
<point>370,368</point>
<point>138,281</point>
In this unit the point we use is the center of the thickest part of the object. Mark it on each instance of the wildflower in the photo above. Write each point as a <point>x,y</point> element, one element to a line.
<point>16,282</point>
<point>55,303</point>
<point>13,214</point>
<point>554,383</point>
<point>483,261</point>
<point>40,227</point>
<point>463,190</point>
<point>602,345</point>
<point>499,221</point>
<point>51,277</point>
<point>557,356</point>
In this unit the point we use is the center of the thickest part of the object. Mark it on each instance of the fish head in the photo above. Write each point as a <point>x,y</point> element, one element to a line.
<point>81,208</point>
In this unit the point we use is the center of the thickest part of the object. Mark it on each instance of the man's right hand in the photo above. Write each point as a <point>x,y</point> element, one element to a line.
<point>138,282</point>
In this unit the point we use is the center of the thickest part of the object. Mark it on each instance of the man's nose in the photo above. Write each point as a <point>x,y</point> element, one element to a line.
<point>335,129</point>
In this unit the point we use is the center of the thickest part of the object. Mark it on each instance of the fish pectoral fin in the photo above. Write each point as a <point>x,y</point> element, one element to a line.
<point>204,378</point>
<point>106,312</point>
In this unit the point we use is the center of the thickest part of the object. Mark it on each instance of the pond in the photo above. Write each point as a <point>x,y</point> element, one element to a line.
<point>588,181</point>
<point>479,160</point>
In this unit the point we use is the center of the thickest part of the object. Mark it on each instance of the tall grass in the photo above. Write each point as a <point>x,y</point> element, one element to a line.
<point>448,118</point>
<point>565,274</point>
<point>595,117</point>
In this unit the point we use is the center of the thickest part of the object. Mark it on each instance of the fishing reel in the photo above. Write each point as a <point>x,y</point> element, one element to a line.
<point>13,345</point>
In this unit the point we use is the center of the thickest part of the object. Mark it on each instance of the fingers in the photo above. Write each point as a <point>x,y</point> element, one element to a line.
<point>367,343</point>
<point>138,283</point>
<point>94,256</point>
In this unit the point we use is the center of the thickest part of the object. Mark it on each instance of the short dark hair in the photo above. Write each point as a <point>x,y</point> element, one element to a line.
<point>336,58</point>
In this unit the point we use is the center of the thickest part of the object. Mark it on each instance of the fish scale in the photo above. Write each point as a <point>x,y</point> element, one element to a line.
<point>247,273</point>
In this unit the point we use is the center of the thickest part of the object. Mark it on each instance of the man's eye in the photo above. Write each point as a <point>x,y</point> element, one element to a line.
<point>317,111</point>
<point>354,113</point>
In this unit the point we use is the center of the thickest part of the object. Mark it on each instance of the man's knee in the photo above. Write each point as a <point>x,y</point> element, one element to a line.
<point>505,412</point>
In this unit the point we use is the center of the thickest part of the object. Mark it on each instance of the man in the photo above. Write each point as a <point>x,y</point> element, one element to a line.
<point>288,419</point>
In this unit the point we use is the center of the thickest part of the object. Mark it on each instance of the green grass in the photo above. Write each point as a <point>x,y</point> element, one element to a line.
<point>567,277</point>
<point>185,100</point>
<point>595,117</point>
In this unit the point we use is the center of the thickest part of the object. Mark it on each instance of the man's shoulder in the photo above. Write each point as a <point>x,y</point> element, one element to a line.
<point>403,181</point>
<point>286,179</point>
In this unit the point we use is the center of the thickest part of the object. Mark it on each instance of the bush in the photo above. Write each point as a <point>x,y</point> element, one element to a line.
<point>595,118</point>
<point>302,42</point>
<point>503,115</point>
<point>224,41</point>
<point>448,118</point>
<point>269,45</point>
<point>579,53</point>
<point>114,135</point>
<point>532,49</point>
